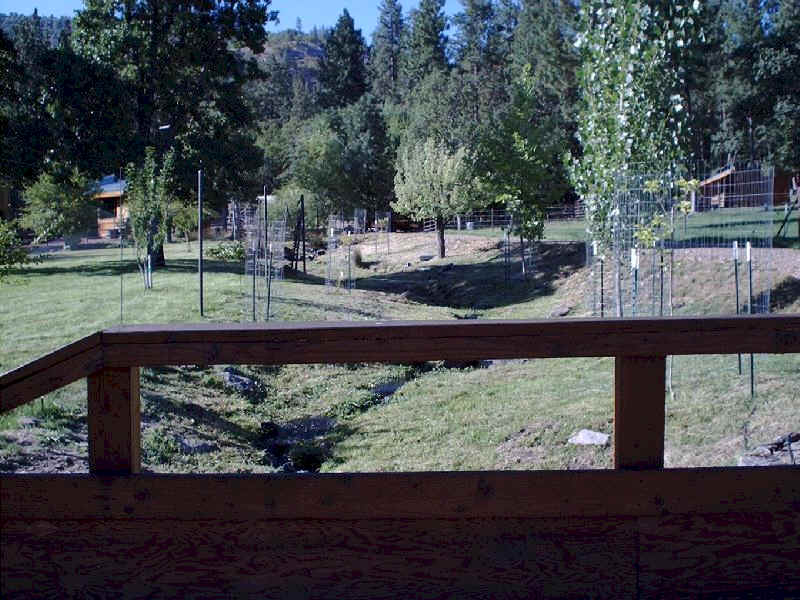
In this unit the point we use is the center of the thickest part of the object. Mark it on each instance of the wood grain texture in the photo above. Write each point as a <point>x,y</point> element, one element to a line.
<point>454,495</point>
<point>474,558</point>
<point>639,384</point>
<point>33,384</point>
<point>114,421</point>
<point>721,555</point>
<point>433,340</point>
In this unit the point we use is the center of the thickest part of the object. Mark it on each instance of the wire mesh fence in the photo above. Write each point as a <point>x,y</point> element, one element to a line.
<point>339,272</point>
<point>264,261</point>
<point>662,233</point>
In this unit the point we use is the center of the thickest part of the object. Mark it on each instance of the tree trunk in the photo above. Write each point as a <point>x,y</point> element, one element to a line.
<point>158,256</point>
<point>522,253</point>
<point>440,234</point>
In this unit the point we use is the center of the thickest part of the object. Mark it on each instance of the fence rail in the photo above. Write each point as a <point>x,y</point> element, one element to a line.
<point>499,218</point>
<point>635,531</point>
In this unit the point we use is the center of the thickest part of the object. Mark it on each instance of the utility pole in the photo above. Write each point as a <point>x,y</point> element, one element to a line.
<point>200,233</point>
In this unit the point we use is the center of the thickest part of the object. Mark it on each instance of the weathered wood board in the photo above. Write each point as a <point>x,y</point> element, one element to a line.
<point>603,534</point>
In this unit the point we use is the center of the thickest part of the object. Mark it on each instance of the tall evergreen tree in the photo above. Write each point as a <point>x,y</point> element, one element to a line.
<point>544,39</point>
<point>342,76</point>
<point>482,72</point>
<point>426,44</point>
<point>779,71</point>
<point>387,51</point>
<point>743,107</point>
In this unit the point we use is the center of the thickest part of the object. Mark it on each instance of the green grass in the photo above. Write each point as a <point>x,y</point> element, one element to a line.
<point>508,414</point>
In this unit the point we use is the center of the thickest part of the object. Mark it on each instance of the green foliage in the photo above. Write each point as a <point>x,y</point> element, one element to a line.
<point>480,54</point>
<point>432,181</point>
<point>185,65</point>
<point>342,75</point>
<point>519,158</point>
<point>344,158</point>
<point>387,51</point>
<point>12,253</point>
<point>149,195</point>
<point>59,204</point>
<point>184,219</point>
<point>649,234</point>
<point>426,43</point>
<point>631,107</point>
<point>158,447</point>
<point>232,251</point>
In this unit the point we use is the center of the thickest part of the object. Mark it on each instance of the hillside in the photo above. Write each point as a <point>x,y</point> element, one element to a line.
<point>52,27</point>
<point>498,414</point>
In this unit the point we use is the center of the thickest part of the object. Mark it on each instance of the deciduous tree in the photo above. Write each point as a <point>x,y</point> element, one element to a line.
<point>433,182</point>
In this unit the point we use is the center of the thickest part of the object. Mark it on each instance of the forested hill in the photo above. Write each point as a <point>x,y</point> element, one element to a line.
<point>298,52</point>
<point>52,26</point>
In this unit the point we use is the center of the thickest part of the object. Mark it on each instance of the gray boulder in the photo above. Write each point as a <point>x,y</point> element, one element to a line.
<point>587,437</point>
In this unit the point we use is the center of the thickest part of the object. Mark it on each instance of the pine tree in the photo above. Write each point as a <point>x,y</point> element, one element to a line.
<point>426,44</point>
<point>743,107</point>
<point>481,48</point>
<point>543,40</point>
<point>778,70</point>
<point>387,51</point>
<point>342,68</point>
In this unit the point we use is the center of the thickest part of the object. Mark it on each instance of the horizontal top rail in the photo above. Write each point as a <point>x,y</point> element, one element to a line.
<point>412,341</point>
<point>395,341</point>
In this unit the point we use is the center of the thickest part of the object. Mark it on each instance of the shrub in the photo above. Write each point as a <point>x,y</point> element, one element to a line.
<point>58,205</point>
<point>12,252</point>
<point>233,252</point>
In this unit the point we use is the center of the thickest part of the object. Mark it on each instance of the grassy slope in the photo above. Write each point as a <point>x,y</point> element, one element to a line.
<point>515,414</point>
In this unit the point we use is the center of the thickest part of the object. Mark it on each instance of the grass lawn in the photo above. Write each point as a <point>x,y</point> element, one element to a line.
<point>503,414</point>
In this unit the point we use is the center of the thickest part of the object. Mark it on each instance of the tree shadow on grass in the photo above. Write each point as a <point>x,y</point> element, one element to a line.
<point>484,285</point>
<point>156,406</point>
<point>111,268</point>
<point>784,294</point>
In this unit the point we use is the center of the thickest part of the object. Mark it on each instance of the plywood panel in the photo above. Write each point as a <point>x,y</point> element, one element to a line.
<point>489,558</point>
<point>531,494</point>
<point>722,555</point>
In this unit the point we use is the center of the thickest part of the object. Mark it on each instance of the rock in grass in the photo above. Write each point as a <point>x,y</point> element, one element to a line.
<point>587,437</point>
<point>560,311</point>
<point>238,382</point>
<point>196,446</point>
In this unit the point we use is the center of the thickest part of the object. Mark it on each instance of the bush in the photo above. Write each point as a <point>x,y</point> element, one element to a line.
<point>61,205</point>
<point>158,448</point>
<point>12,252</point>
<point>233,252</point>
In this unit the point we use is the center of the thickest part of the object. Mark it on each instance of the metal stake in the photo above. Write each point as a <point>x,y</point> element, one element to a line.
<point>200,233</point>
<point>750,302</point>
<point>736,282</point>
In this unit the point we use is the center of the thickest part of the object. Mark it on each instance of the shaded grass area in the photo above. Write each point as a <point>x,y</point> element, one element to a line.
<point>505,414</point>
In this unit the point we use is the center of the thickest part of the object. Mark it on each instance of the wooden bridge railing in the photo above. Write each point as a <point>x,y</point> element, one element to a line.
<point>637,530</point>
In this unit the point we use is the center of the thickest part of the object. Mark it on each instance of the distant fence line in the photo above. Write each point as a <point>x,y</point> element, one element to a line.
<point>495,217</point>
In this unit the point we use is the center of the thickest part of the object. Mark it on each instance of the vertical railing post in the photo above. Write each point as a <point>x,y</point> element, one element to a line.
<point>639,385</point>
<point>114,421</point>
